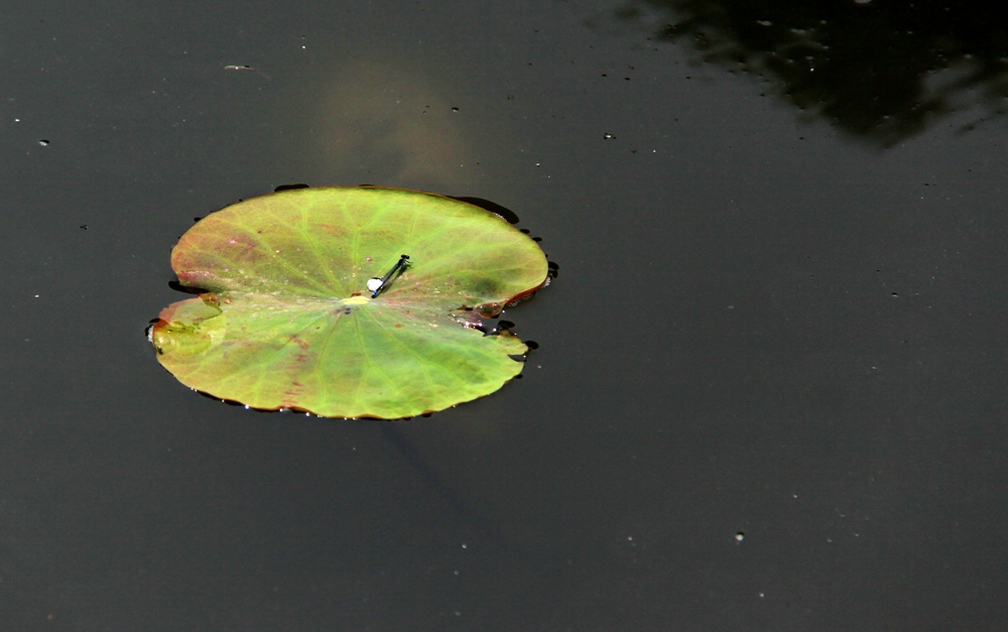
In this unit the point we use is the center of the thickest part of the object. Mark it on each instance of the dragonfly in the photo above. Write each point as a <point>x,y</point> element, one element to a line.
<point>376,285</point>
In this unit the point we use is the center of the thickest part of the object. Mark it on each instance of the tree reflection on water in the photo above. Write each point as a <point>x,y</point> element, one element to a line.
<point>879,71</point>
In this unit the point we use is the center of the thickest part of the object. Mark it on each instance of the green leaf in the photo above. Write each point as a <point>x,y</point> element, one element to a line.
<point>284,317</point>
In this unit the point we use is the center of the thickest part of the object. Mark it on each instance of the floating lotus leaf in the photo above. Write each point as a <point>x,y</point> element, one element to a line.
<point>284,317</point>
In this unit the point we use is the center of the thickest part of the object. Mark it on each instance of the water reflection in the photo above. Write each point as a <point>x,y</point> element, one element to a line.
<point>879,71</point>
<point>390,123</point>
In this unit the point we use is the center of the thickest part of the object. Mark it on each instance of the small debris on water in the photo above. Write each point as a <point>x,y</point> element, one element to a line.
<point>247,68</point>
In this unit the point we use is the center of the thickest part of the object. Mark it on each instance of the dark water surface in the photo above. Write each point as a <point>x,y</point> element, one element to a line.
<point>770,388</point>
